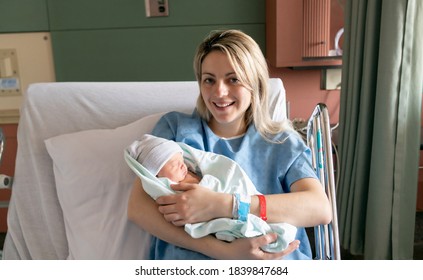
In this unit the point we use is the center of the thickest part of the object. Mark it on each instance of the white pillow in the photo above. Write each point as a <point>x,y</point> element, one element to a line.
<point>93,185</point>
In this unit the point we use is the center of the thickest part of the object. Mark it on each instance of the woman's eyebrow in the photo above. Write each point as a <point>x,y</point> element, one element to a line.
<point>211,74</point>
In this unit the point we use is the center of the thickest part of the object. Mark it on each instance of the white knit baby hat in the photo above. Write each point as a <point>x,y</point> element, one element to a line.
<point>153,152</point>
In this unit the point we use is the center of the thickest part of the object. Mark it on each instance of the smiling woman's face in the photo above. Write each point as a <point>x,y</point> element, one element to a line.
<point>224,95</point>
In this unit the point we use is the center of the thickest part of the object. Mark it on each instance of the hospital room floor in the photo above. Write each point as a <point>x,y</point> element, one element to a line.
<point>418,241</point>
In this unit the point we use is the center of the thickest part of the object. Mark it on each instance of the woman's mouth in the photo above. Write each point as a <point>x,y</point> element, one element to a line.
<point>223,105</point>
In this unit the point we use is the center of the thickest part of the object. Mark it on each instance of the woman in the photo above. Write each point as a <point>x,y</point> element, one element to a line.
<point>232,118</point>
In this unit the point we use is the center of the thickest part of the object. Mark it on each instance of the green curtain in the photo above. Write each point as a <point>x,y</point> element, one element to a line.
<point>380,113</point>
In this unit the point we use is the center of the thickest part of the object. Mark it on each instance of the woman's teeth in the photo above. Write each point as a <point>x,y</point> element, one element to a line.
<point>222,105</point>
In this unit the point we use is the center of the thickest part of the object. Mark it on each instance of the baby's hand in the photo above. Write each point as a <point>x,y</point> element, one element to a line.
<point>191,178</point>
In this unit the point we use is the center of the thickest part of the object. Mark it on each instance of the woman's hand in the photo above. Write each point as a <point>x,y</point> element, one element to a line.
<point>194,204</point>
<point>249,248</point>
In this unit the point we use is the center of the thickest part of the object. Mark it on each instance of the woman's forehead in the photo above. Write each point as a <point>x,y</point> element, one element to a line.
<point>217,63</point>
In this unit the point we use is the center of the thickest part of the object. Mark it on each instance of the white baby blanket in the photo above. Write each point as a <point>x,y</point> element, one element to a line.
<point>220,174</point>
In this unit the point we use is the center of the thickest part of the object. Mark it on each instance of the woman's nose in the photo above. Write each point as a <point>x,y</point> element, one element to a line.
<point>221,89</point>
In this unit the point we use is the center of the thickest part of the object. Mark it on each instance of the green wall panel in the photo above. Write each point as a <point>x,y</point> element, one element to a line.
<point>113,40</point>
<point>106,14</point>
<point>23,16</point>
<point>144,54</point>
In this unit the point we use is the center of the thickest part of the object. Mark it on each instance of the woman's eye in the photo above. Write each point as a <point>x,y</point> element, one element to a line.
<point>234,80</point>
<point>208,80</point>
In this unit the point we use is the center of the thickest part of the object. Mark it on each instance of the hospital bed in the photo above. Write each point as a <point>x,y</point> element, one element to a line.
<point>71,183</point>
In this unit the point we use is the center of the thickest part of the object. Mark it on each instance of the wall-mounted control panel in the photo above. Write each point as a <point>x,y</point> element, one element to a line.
<point>156,8</point>
<point>9,73</point>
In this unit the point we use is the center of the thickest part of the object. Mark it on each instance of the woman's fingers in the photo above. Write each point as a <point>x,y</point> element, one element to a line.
<point>272,237</point>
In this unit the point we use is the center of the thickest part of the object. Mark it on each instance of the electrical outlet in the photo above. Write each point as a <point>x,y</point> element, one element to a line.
<point>156,8</point>
<point>331,79</point>
<point>5,182</point>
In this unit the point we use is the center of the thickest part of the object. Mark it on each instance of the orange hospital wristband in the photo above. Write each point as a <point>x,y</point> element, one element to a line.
<point>262,201</point>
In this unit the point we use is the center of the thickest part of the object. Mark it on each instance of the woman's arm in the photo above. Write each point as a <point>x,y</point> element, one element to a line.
<point>143,211</point>
<point>307,205</point>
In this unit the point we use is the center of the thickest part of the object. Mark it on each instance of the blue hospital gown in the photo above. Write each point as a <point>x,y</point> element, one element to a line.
<point>271,167</point>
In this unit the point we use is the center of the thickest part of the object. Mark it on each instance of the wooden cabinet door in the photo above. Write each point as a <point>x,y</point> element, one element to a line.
<point>300,33</point>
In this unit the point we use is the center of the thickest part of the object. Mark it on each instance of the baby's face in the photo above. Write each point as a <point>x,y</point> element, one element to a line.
<point>175,169</point>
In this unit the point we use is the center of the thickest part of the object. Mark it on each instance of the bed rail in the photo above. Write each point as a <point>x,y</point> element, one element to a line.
<point>319,140</point>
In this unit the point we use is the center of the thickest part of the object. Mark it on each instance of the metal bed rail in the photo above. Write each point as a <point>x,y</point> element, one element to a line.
<point>327,244</point>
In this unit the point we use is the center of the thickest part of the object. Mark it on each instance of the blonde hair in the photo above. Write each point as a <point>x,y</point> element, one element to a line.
<point>251,69</point>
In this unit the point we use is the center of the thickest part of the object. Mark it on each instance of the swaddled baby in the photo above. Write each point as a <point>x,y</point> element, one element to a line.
<point>162,158</point>
<point>160,163</point>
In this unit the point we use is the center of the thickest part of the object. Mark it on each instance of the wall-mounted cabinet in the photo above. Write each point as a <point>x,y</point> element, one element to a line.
<point>301,33</point>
